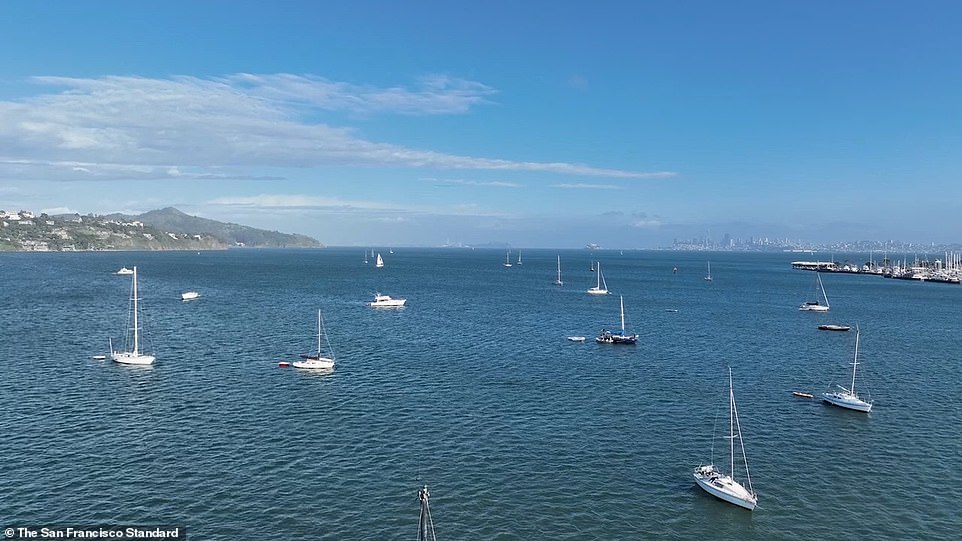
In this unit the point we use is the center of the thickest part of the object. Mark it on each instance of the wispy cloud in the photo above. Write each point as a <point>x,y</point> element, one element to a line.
<point>220,128</point>
<point>482,183</point>
<point>583,186</point>
<point>293,203</point>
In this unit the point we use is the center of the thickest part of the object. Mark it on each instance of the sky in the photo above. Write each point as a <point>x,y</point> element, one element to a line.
<point>530,124</point>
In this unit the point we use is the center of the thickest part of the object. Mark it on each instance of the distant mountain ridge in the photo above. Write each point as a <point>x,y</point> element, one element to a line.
<point>173,220</point>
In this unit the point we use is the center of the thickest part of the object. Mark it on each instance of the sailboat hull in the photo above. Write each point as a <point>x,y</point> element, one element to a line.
<point>314,364</point>
<point>126,357</point>
<point>724,487</point>
<point>847,401</point>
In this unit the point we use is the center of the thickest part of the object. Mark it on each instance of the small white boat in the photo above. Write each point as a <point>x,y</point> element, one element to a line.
<point>100,357</point>
<point>507,259</point>
<point>316,361</point>
<point>385,301</point>
<point>801,394</point>
<point>576,338</point>
<point>379,262</point>
<point>134,356</point>
<point>189,295</point>
<point>721,485</point>
<point>124,271</point>
<point>846,398</point>
<point>708,277</point>
<point>833,327</point>
<point>558,281</point>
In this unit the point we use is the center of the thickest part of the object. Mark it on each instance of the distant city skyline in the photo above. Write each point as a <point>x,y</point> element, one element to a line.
<point>540,124</point>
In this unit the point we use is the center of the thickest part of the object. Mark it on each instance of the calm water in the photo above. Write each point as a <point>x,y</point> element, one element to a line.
<point>473,389</point>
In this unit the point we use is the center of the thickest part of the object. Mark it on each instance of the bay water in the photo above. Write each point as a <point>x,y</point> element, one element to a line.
<point>473,389</point>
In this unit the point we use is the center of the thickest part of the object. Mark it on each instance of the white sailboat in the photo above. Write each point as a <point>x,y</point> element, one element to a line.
<point>816,305</point>
<point>365,257</point>
<point>617,337</point>
<point>380,262</point>
<point>519,257</point>
<point>722,485</point>
<point>507,259</point>
<point>425,522</point>
<point>846,398</point>
<point>558,281</point>
<point>708,277</point>
<point>600,288</point>
<point>134,356</point>
<point>316,361</point>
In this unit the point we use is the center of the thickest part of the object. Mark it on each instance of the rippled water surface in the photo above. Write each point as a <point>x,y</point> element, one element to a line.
<point>473,389</point>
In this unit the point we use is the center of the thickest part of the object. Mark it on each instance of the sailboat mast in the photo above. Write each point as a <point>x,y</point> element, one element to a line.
<point>822,288</point>
<point>598,274</point>
<point>135,312</point>
<point>622,314</point>
<point>731,422</point>
<point>318,334</point>
<point>854,362</point>
<point>425,522</point>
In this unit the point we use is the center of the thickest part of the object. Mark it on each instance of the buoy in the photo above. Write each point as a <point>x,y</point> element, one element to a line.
<point>283,364</point>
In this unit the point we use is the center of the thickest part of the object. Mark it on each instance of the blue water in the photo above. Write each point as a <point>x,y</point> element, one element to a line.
<point>473,389</point>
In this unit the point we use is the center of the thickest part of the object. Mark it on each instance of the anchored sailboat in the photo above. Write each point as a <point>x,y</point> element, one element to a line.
<point>721,485</point>
<point>617,337</point>
<point>816,305</point>
<point>600,288</point>
<point>846,398</point>
<point>134,356</point>
<point>317,361</point>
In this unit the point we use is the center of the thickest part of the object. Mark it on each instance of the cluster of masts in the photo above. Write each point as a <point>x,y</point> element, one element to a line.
<point>946,270</point>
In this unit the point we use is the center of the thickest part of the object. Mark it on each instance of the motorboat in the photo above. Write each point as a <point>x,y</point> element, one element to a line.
<point>385,301</point>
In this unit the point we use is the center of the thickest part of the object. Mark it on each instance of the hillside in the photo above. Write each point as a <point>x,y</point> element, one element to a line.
<point>165,229</point>
<point>175,221</point>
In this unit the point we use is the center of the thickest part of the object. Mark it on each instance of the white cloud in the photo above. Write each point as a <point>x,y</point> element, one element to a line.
<point>481,183</point>
<point>583,186</point>
<point>134,128</point>
<point>288,203</point>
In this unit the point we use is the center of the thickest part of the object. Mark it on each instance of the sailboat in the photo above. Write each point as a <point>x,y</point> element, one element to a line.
<point>380,262</point>
<point>708,277</point>
<point>600,288</point>
<point>425,522</point>
<point>519,257</point>
<point>721,485</point>
<point>558,281</point>
<point>365,257</point>
<point>507,259</point>
<point>816,306</point>
<point>134,356</point>
<point>316,361</point>
<point>617,337</point>
<point>846,398</point>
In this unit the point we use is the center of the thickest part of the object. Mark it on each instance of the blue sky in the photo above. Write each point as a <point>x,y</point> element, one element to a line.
<point>534,124</point>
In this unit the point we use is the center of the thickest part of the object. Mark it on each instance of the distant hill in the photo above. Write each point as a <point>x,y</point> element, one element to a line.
<point>175,221</point>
